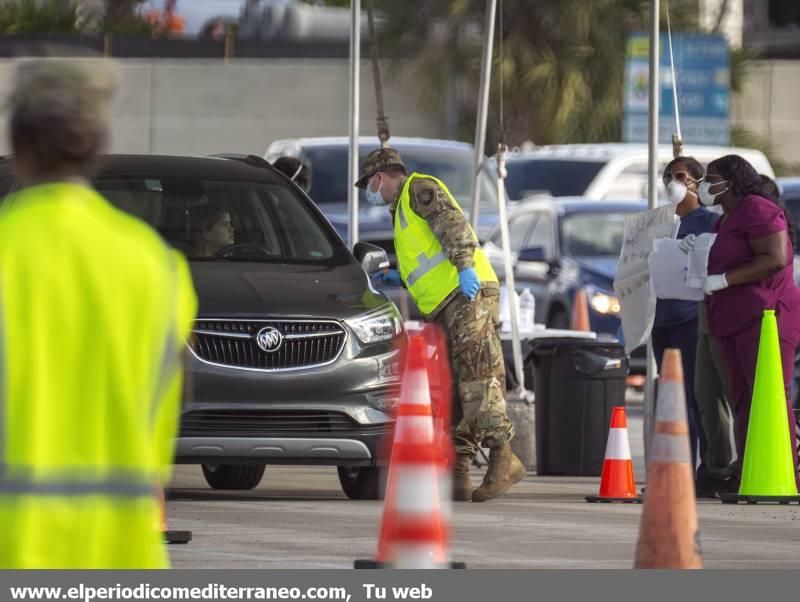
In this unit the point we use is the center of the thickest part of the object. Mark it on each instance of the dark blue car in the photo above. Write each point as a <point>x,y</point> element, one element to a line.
<point>564,245</point>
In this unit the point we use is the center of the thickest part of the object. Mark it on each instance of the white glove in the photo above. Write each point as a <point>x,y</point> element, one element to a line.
<point>687,244</point>
<point>715,283</point>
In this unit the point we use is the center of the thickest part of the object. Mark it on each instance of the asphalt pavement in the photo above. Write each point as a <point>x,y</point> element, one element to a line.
<point>299,518</point>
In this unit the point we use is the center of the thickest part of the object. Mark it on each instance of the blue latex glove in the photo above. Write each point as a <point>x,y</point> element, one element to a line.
<point>469,283</point>
<point>391,277</point>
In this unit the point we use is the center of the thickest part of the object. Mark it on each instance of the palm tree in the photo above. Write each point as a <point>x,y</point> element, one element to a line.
<point>563,61</point>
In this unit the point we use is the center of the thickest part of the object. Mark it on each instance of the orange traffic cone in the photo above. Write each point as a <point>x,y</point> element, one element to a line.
<point>580,312</point>
<point>414,532</point>
<point>617,483</point>
<point>170,536</point>
<point>668,534</point>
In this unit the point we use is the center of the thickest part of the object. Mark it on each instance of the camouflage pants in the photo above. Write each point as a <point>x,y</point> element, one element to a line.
<point>479,376</point>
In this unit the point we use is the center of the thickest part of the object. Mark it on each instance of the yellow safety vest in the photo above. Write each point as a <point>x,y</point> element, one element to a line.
<point>94,312</point>
<point>424,266</point>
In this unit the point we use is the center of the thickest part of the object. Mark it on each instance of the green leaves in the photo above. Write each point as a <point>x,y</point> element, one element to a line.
<point>563,65</point>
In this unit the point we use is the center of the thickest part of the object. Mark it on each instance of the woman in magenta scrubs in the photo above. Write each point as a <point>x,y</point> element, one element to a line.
<point>750,270</point>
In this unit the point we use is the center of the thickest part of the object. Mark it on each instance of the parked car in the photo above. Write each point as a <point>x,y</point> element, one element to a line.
<point>564,245</point>
<point>602,171</point>
<point>790,192</point>
<point>447,160</point>
<point>293,356</point>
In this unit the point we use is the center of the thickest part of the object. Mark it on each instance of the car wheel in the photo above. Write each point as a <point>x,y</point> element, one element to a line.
<point>558,319</point>
<point>362,483</point>
<point>233,476</point>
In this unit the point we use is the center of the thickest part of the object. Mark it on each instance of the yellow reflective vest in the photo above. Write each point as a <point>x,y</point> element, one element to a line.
<point>423,264</point>
<point>94,312</point>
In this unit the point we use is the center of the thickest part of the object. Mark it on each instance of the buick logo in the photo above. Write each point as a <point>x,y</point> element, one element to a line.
<point>269,339</point>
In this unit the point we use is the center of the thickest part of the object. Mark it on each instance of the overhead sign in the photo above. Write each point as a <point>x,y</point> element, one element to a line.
<point>702,68</point>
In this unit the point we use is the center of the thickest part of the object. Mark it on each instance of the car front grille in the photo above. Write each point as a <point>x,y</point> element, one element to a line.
<point>275,423</point>
<point>233,343</point>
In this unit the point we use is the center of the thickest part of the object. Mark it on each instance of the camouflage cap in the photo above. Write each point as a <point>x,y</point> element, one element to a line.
<point>379,160</point>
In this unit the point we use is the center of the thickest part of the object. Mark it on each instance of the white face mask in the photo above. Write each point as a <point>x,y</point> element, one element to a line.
<point>676,191</point>
<point>707,198</point>
<point>374,198</point>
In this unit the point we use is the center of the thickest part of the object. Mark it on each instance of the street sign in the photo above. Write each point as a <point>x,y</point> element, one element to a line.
<point>702,68</point>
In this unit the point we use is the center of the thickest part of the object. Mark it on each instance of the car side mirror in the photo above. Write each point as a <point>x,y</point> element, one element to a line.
<point>371,257</point>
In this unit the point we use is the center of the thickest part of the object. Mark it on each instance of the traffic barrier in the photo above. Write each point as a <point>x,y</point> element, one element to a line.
<point>668,534</point>
<point>617,483</point>
<point>768,470</point>
<point>580,312</point>
<point>170,536</point>
<point>414,530</point>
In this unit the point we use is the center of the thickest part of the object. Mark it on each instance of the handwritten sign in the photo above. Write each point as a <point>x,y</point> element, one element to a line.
<point>632,282</point>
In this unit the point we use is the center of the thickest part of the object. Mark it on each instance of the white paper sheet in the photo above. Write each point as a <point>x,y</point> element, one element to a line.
<point>698,260</point>
<point>669,270</point>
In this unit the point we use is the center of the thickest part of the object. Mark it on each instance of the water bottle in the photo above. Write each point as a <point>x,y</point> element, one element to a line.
<point>527,307</point>
<point>505,309</point>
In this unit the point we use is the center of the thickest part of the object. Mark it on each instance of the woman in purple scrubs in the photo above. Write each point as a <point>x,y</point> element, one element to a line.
<point>750,270</point>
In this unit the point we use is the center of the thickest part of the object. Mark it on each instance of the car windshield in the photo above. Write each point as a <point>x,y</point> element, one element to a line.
<point>329,181</point>
<point>593,234</point>
<point>554,176</point>
<point>218,220</point>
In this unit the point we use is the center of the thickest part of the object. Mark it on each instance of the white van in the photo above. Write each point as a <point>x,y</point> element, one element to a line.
<point>603,171</point>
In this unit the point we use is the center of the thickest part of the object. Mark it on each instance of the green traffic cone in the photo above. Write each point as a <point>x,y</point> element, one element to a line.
<point>768,470</point>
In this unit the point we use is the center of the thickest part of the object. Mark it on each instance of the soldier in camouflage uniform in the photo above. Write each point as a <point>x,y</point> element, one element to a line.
<point>469,315</point>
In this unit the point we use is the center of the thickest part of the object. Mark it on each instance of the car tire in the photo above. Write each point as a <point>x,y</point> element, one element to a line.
<point>558,320</point>
<point>368,483</point>
<point>238,477</point>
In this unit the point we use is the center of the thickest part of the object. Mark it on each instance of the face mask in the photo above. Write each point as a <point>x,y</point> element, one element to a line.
<point>706,197</point>
<point>374,198</point>
<point>676,191</point>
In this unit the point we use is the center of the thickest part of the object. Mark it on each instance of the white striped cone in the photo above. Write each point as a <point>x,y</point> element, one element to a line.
<point>617,481</point>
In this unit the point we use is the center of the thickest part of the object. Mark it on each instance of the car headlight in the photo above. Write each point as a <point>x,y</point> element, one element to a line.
<point>379,325</point>
<point>606,304</point>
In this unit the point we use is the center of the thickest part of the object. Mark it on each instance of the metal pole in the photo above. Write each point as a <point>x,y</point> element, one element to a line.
<point>483,108</point>
<point>652,202</point>
<point>516,347</point>
<point>382,121</point>
<point>354,108</point>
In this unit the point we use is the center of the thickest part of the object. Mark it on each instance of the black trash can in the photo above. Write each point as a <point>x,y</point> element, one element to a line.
<point>577,382</point>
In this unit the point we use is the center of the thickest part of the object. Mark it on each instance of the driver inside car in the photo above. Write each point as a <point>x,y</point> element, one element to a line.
<point>212,230</point>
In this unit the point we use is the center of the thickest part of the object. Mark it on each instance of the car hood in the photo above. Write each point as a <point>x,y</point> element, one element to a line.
<point>254,290</point>
<point>598,270</point>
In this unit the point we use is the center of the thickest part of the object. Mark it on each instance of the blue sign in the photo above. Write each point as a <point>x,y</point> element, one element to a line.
<point>702,69</point>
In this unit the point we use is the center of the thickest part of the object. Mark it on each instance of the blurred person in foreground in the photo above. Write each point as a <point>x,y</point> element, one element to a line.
<point>676,326</point>
<point>95,309</point>
<point>453,284</point>
<point>750,270</point>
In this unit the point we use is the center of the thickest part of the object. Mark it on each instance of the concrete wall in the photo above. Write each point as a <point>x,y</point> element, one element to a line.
<point>770,106</point>
<point>200,107</point>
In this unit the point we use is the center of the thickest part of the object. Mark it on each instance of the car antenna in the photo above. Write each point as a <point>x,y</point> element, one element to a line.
<point>382,120</point>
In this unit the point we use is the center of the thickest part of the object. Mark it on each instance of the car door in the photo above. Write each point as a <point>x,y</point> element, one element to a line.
<point>519,228</point>
<point>537,275</point>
